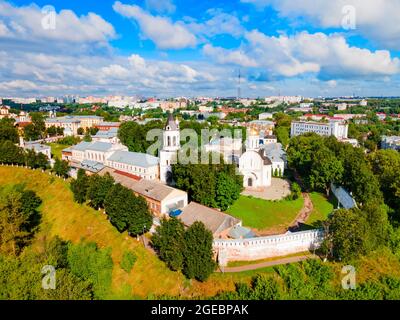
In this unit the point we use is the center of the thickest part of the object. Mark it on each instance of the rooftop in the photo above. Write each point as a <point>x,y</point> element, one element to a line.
<point>133,158</point>
<point>214,220</point>
<point>151,189</point>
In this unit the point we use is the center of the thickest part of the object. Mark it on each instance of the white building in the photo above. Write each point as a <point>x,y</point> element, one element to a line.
<point>337,128</point>
<point>392,142</point>
<point>169,151</point>
<point>141,165</point>
<point>255,167</point>
<point>265,116</point>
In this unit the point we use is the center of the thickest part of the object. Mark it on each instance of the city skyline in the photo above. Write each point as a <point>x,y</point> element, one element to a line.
<point>185,48</point>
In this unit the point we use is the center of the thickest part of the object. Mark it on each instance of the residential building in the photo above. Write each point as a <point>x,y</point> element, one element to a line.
<point>4,112</point>
<point>71,124</point>
<point>265,116</point>
<point>337,128</point>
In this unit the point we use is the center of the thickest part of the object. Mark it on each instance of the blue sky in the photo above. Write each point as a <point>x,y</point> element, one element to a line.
<point>190,48</point>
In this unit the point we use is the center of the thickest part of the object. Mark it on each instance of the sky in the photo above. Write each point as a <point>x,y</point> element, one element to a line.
<point>166,48</point>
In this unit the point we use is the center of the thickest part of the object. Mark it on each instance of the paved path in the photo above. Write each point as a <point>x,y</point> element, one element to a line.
<point>268,264</point>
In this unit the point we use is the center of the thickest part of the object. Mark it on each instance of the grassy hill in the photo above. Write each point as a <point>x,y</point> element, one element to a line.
<point>149,277</point>
<point>71,221</point>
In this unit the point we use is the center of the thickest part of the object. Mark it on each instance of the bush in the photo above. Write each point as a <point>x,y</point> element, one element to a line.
<point>128,261</point>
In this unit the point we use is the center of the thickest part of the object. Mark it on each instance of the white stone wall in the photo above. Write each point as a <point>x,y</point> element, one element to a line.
<point>266,247</point>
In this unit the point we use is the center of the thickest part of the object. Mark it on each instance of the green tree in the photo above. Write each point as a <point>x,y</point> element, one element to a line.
<point>98,188</point>
<point>92,264</point>
<point>325,169</point>
<point>198,253</point>
<point>133,136</point>
<point>80,186</point>
<point>227,191</point>
<point>10,153</point>
<point>347,236</point>
<point>61,168</point>
<point>168,241</point>
<point>126,211</point>
<point>18,217</point>
<point>8,131</point>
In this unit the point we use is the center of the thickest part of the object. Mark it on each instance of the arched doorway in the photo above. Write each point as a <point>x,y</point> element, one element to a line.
<point>169,177</point>
<point>250,182</point>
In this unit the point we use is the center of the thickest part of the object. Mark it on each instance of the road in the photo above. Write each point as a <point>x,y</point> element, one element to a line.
<point>268,264</point>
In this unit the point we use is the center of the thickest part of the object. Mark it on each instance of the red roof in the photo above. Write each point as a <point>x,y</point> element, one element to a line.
<point>132,176</point>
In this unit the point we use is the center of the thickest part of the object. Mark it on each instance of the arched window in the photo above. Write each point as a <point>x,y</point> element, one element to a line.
<point>174,141</point>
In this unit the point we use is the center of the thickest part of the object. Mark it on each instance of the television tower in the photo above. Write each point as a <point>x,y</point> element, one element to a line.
<point>239,93</point>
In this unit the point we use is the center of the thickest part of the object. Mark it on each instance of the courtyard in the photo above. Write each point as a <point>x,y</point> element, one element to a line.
<point>279,189</point>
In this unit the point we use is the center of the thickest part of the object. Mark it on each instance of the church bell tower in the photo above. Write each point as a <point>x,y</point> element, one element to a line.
<point>171,146</point>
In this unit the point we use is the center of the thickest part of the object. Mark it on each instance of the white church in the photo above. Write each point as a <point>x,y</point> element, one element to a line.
<point>258,164</point>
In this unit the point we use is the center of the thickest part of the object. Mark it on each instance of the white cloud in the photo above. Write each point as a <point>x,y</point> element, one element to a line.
<point>224,56</point>
<point>25,23</point>
<point>375,19</point>
<point>219,23</point>
<point>328,56</point>
<point>161,6</point>
<point>162,31</point>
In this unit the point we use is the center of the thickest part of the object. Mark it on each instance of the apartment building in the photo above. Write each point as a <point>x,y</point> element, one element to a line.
<point>337,128</point>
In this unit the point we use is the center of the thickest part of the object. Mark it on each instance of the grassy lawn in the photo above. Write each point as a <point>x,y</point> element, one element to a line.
<point>262,214</point>
<point>323,207</point>
<point>56,149</point>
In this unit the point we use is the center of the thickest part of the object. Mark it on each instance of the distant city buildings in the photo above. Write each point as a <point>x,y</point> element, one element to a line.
<point>71,124</point>
<point>390,142</point>
<point>284,99</point>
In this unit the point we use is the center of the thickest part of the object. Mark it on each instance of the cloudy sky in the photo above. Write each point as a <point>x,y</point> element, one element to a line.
<point>191,47</point>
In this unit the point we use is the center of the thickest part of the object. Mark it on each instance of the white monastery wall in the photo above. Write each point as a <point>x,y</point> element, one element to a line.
<point>266,247</point>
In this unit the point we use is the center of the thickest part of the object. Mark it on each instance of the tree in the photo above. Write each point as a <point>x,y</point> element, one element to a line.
<point>8,131</point>
<point>133,136</point>
<point>198,253</point>
<point>126,211</point>
<point>92,264</point>
<point>61,168</point>
<point>36,160</point>
<point>37,128</point>
<point>325,169</point>
<point>80,186</point>
<point>17,218</point>
<point>385,165</point>
<point>227,191</point>
<point>98,188</point>
<point>216,186</point>
<point>10,153</point>
<point>169,242</point>
<point>347,236</point>
<point>81,131</point>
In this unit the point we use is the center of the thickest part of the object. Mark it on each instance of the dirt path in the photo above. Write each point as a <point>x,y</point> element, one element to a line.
<point>268,264</point>
<point>304,214</point>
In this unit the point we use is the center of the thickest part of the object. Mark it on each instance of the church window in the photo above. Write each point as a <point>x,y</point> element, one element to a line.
<point>169,141</point>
